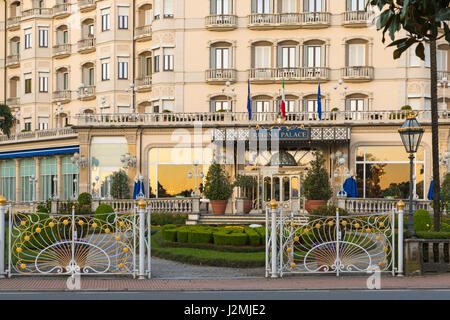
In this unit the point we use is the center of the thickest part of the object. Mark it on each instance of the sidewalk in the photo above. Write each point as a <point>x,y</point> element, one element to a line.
<point>90,283</point>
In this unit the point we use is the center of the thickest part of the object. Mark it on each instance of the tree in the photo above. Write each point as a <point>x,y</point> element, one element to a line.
<point>424,21</point>
<point>317,184</point>
<point>119,185</point>
<point>8,119</point>
<point>218,186</point>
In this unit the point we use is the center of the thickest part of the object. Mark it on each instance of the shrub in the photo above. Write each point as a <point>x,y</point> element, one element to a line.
<point>317,184</point>
<point>422,220</point>
<point>83,210</point>
<point>236,239</point>
<point>182,235</point>
<point>161,219</point>
<point>169,226</point>
<point>328,211</point>
<point>104,211</point>
<point>42,208</point>
<point>253,237</point>
<point>433,235</point>
<point>199,236</point>
<point>218,186</point>
<point>85,199</point>
<point>169,234</point>
<point>445,227</point>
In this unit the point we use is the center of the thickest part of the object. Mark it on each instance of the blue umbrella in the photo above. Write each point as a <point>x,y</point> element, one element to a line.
<point>351,188</point>
<point>139,190</point>
<point>430,191</point>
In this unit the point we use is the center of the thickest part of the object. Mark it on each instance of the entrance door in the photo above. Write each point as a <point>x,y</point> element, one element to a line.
<point>285,189</point>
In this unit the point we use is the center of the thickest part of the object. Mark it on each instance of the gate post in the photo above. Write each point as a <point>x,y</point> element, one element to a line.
<point>142,205</point>
<point>400,206</point>
<point>2,235</point>
<point>274,206</point>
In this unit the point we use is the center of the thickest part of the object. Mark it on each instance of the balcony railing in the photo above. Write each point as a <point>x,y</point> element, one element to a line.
<point>88,93</point>
<point>364,118</point>
<point>221,75</point>
<point>143,33</point>
<point>221,22</point>
<point>37,12</point>
<point>38,135</point>
<point>144,83</point>
<point>289,20</point>
<point>61,9</point>
<point>13,60</point>
<point>62,50</point>
<point>356,18</point>
<point>86,5</point>
<point>375,205</point>
<point>13,22</point>
<point>443,74</point>
<point>357,73</point>
<point>62,96</point>
<point>13,101</point>
<point>306,74</point>
<point>86,45</point>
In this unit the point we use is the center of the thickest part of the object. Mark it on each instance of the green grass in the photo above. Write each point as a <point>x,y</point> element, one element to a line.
<point>207,257</point>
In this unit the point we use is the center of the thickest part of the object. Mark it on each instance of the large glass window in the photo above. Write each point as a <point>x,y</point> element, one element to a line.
<point>69,179</point>
<point>169,170</point>
<point>27,170</point>
<point>383,172</point>
<point>9,179</point>
<point>48,178</point>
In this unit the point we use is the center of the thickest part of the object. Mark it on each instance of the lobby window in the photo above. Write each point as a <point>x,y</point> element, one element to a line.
<point>383,172</point>
<point>123,68</point>
<point>106,19</point>
<point>8,172</point>
<point>43,81</point>
<point>28,83</point>
<point>48,173</point>
<point>168,59</point>
<point>28,39</point>
<point>28,189</point>
<point>123,17</point>
<point>43,123</point>
<point>169,168</point>
<point>69,179</point>
<point>43,38</point>
<point>106,70</point>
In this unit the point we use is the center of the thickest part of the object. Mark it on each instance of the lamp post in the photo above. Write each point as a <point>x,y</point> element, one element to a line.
<point>108,180</point>
<point>345,87</point>
<point>411,134</point>
<point>33,180</point>
<point>195,173</point>
<point>55,186</point>
<point>443,83</point>
<point>132,89</point>
<point>128,161</point>
<point>140,195</point>
<point>340,170</point>
<point>229,101</point>
<point>75,181</point>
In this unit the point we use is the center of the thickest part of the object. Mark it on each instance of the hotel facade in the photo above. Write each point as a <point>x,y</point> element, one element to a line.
<point>166,83</point>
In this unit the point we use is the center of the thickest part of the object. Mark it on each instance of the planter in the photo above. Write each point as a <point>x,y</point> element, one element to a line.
<point>244,205</point>
<point>311,205</point>
<point>248,206</point>
<point>218,206</point>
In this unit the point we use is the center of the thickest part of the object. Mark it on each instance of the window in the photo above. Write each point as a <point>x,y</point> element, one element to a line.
<point>28,188</point>
<point>43,82</point>
<point>311,6</point>
<point>168,8</point>
<point>28,83</point>
<point>287,57</point>
<point>43,38</point>
<point>356,5</point>
<point>123,68</point>
<point>47,181</point>
<point>313,56</point>
<point>91,30</point>
<point>414,60</point>
<point>220,104</point>
<point>69,179</point>
<point>62,78</point>
<point>261,106</point>
<point>441,56</point>
<point>356,55</point>
<point>168,105</point>
<point>8,172</point>
<point>106,71</point>
<point>27,124</point>
<point>156,64</point>
<point>427,55</point>
<point>221,6</point>
<point>262,56</point>
<point>168,59</point>
<point>220,58</point>
<point>106,20</point>
<point>43,123</point>
<point>123,109</point>
<point>383,172</point>
<point>147,66</point>
<point>123,18</point>
<point>157,4</point>
<point>28,39</point>
<point>261,6</point>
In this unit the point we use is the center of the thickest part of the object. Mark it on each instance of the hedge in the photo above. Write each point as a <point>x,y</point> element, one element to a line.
<point>182,235</point>
<point>198,236</point>
<point>253,237</point>
<point>433,235</point>
<point>169,234</point>
<point>422,220</point>
<point>162,219</point>
<point>237,239</point>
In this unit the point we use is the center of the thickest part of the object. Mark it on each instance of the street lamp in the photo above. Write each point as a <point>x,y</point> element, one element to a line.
<point>128,161</point>
<point>55,185</point>
<point>195,173</point>
<point>229,101</point>
<point>75,181</point>
<point>33,180</point>
<point>411,133</point>
<point>108,196</point>
<point>132,89</point>
<point>340,170</point>
<point>79,161</point>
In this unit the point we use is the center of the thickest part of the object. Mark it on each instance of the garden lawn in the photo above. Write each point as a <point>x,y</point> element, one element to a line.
<point>208,257</point>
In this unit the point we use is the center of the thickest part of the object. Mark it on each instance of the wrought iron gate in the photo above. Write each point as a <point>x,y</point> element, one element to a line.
<point>116,243</point>
<point>328,244</point>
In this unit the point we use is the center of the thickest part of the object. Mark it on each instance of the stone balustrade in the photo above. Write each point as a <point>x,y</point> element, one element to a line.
<point>371,206</point>
<point>38,135</point>
<point>427,255</point>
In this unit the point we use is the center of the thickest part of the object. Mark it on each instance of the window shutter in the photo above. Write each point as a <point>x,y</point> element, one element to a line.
<point>213,7</point>
<point>280,59</point>
<point>254,7</point>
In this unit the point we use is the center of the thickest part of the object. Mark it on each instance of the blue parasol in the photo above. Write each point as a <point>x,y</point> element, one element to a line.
<point>351,188</point>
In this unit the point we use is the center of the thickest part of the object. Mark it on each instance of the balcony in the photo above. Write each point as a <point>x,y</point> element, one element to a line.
<point>61,10</point>
<point>262,75</point>
<point>357,74</point>
<point>63,96</point>
<point>13,102</point>
<point>37,13</point>
<point>443,74</point>
<point>259,21</point>
<point>221,75</point>
<point>62,50</point>
<point>356,18</point>
<point>40,135</point>
<point>144,83</point>
<point>13,61</point>
<point>13,23</point>
<point>221,22</point>
<point>86,45</point>
<point>86,5</point>
<point>88,93</point>
<point>296,74</point>
<point>315,19</point>
<point>143,33</point>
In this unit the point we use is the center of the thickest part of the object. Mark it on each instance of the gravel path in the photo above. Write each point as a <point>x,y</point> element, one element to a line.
<point>165,269</point>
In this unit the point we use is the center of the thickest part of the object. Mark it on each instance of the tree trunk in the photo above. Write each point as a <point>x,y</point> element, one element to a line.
<point>435,136</point>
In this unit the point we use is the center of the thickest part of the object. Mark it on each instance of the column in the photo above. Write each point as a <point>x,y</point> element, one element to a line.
<point>131,140</point>
<point>59,172</point>
<point>37,162</point>
<point>18,184</point>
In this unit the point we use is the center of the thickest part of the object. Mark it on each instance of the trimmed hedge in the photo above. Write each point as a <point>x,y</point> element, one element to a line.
<point>253,237</point>
<point>422,220</point>
<point>433,235</point>
<point>169,234</point>
<point>198,236</point>
<point>236,239</point>
<point>162,219</point>
<point>182,235</point>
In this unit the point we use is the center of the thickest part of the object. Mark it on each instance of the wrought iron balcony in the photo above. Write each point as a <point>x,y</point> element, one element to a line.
<point>13,23</point>
<point>356,18</point>
<point>357,74</point>
<point>144,83</point>
<point>221,22</point>
<point>37,13</point>
<point>13,61</point>
<point>86,45</point>
<point>143,33</point>
<point>62,96</point>
<point>86,5</point>
<point>62,50</point>
<point>61,10</point>
<point>221,75</point>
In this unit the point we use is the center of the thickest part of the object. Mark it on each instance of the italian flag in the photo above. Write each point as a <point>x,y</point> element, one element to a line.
<point>283,104</point>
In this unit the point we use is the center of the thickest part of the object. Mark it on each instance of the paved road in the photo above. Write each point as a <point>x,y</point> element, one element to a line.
<point>238,295</point>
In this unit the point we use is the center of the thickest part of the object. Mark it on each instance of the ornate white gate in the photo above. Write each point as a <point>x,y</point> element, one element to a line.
<point>117,243</point>
<point>328,244</point>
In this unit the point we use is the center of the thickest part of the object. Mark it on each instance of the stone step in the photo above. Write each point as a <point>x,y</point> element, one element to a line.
<point>231,219</point>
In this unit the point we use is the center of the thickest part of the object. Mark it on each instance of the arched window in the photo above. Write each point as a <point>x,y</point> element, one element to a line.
<point>62,35</point>
<point>221,103</point>
<point>262,104</point>
<point>355,104</point>
<point>145,15</point>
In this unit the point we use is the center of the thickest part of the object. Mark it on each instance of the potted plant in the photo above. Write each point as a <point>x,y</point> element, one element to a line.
<point>166,117</point>
<point>218,188</point>
<point>317,187</point>
<point>221,117</point>
<point>246,183</point>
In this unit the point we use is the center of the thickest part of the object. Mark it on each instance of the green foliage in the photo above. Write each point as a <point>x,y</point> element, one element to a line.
<point>246,183</point>
<point>328,211</point>
<point>84,199</point>
<point>169,234</point>
<point>103,213</point>
<point>236,239</point>
<point>83,209</point>
<point>218,186</point>
<point>445,227</point>
<point>8,122</point>
<point>445,193</point>
<point>422,220</point>
<point>316,184</point>
<point>120,185</point>
<point>182,235</point>
<point>42,208</point>
<point>199,236</point>
<point>253,237</point>
<point>433,235</point>
<point>104,208</point>
<point>161,219</point>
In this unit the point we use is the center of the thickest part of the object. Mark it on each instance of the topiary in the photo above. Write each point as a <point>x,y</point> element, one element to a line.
<point>218,186</point>
<point>422,220</point>
<point>317,184</point>
<point>85,199</point>
<point>103,212</point>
